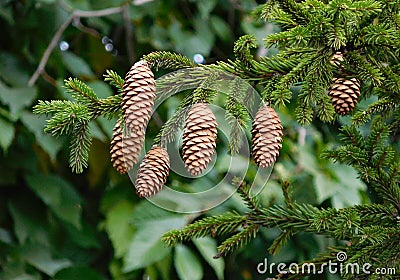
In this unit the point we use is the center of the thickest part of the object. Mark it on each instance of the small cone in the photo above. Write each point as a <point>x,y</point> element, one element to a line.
<point>153,172</point>
<point>124,150</point>
<point>336,58</point>
<point>267,134</point>
<point>344,94</point>
<point>138,100</point>
<point>199,138</point>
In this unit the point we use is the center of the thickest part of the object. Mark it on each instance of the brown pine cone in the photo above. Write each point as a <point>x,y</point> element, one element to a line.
<point>199,138</point>
<point>139,92</point>
<point>344,94</point>
<point>267,134</point>
<point>153,172</point>
<point>124,150</point>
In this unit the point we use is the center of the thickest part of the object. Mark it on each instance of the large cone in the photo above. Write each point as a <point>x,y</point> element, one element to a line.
<point>138,101</point>
<point>153,172</point>
<point>344,94</point>
<point>267,134</point>
<point>199,138</point>
<point>124,150</point>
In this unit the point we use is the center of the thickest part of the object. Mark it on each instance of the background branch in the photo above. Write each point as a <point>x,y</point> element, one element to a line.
<point>76,14</point>
<point>128,34</point>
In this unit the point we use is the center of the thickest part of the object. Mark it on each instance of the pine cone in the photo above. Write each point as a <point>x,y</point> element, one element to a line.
<point>153,172</point>
<point>266,136</point>
<point>344,94</point>
<point>336,58</point>
<point>124,150</point>
<point>138,100</point>
<point>199,138</point>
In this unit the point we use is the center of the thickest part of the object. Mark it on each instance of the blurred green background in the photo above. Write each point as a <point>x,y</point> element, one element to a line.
<point>58,225</point>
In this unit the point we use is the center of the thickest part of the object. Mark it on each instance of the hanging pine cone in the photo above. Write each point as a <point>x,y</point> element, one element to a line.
<point>124,150</point>
<point>336,58</point>
<point>139,92</point>
<point>199,138</point>
<point>153,172</point>
<point>266,136</point>
<point>344,94</point>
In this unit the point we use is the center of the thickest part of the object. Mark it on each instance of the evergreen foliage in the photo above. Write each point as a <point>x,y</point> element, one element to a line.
<point>366,33</point>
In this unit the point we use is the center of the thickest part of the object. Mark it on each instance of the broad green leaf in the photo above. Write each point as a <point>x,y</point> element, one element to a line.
<point>101,89</point>
<point>29,221</point>
<point>16,98</point>
<point>221,28</point>
<point>59,195</point>
<point>205,7</point>
<point>6,13</point>
<point>146,211</point>
<point>7,134</point>
<point>341,184</point>
<point>47,1</point>
<point>76,65</point>
<point>5,236</point>
<point>350,185</point>
<point>119,230</point>
<point>78,4</point>
<point>16,270</point>
<point>86,237</point>
<point>78,272</point>
<point>146,246</point>
<point>12,70</point>
<point>186,263</point>
<point>208,249</point>
<point>41,258</point>
<point>325,186</point>
<point>36,125</point>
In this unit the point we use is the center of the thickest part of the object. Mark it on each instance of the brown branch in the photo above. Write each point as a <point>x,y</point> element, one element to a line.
<point>76,14</point>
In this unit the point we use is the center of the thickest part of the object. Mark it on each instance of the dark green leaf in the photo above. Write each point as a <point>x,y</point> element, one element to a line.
<point>187,265</point>
<point>59,195</point>
<point>78,272</point>
<point>146,246</point>
<point>7,134</point>
<point>76,65</point>
<point>119,230</point>
<point>17,98</point>
<point>207,247</point>
<point>36,124</point>
<point>41,258</point>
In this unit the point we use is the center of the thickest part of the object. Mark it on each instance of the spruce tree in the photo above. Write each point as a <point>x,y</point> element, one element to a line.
<point>340,52</point>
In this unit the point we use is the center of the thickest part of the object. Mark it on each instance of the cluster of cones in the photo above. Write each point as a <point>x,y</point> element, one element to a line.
<point>200,130</point>
<point>199,135</point>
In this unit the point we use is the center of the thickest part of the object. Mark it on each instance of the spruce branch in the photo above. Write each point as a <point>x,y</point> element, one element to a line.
<point>252,203</point>
<point>80,146</point>
<point>238,240</point>
<point>80,91</point>
<point>236,113</point>
<point>65,119</point>
<point>215,225</point>
<point>280,241</point>
<point>242,49</point>
<point>114,79</point>
<point>168,60</point>
<point>383,105</point>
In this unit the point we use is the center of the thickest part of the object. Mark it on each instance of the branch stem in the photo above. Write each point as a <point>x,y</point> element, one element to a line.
<point>76,14</point>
